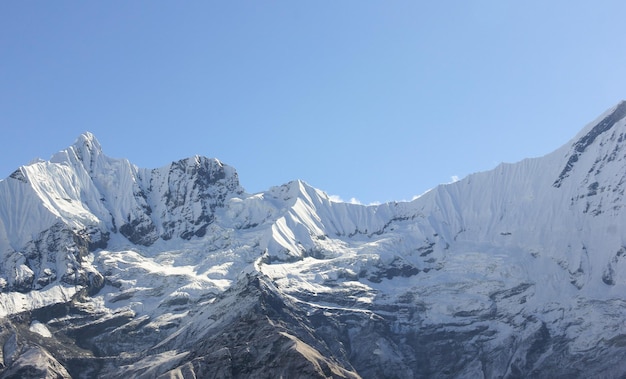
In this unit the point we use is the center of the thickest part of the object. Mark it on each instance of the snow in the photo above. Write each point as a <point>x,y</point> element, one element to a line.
<point>16,302</point>
<point>41,329</point>
<point>154,365</point>
<point>537,237</point>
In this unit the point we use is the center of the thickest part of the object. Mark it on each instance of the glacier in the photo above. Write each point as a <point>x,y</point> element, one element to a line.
<point>110,270</point>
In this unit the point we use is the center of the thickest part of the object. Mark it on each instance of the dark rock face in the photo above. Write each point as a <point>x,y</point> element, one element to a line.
<point>255,333</point>
<point>18,175</point>
<point>279,340</point>
<point>140,231</point>
<point>195,187</point>
<point>37,265</point>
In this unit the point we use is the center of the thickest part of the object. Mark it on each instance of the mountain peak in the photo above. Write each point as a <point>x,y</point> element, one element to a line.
<point>85,151</point>
<point>87,147</point>
<point>610,118</point>
<point>88,140</point>
<point>596,133</point>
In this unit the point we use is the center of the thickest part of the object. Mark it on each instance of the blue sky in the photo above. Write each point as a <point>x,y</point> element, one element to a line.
<point>373,100</point>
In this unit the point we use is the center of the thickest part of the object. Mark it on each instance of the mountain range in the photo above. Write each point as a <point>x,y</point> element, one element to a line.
<point>110,270</point>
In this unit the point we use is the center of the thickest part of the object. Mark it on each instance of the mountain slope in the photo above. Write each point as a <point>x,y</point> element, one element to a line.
<point>112,270</point>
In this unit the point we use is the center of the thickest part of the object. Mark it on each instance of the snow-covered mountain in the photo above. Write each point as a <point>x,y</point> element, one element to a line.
<point>110,270</point>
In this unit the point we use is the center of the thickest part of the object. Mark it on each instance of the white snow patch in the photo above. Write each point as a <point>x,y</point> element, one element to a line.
<point>15,302</point>
<point>41,329</point>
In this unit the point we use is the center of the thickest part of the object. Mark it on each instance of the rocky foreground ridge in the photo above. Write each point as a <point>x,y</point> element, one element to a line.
<point>110,270</point>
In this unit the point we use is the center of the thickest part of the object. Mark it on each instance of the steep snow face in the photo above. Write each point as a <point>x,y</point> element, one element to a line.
<point>517,271</point>
<point>529,255</point>
<point>566,205</point>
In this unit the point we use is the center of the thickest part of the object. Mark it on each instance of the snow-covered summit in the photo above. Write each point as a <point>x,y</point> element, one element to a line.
<point>90,196</point>
<point>608,129</point>
<point>86,150</point>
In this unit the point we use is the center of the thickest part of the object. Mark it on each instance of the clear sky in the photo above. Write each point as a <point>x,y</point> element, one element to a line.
<point>373,100</point>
